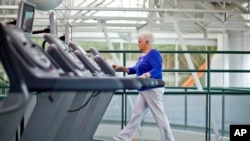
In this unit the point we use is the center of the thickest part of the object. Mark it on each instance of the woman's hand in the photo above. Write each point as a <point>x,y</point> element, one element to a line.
<point>116,67</point>
<point>145,75</point>
<point>119,68</point>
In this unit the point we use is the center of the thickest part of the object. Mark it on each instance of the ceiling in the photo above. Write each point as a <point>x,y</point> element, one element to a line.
<point>129,16</point>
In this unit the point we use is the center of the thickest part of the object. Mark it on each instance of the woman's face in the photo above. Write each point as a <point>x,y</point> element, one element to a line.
<point>142,45</point>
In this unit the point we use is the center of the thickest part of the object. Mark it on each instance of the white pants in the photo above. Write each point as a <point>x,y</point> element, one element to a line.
<point>148,100</point>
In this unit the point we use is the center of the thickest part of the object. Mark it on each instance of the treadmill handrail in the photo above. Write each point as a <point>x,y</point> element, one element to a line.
<point>76,84</point>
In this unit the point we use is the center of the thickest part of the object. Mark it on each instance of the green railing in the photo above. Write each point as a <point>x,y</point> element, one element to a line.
<point>208,91</point>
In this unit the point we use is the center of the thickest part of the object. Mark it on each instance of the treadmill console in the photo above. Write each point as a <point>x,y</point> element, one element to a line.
<point>28,53</point>
<point>74,61</point>
<point>28,50</point>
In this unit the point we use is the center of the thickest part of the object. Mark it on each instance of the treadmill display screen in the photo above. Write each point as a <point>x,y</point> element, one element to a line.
<point>26,15</point>
<point>27,19</point>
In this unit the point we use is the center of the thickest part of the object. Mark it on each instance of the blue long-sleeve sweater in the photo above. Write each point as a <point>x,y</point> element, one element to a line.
<point>151,62</point>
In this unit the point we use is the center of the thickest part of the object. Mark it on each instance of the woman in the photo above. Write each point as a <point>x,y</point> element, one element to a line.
<point>149,65</point>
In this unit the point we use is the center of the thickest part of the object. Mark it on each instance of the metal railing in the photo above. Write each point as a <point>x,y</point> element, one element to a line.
<point>208,91</point>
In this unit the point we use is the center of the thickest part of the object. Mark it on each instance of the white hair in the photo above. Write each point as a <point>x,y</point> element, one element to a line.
<point>146,36</point>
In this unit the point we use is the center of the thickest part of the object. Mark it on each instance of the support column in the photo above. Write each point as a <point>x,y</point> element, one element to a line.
<point>102,25</point>
<point>239,41</point>
<point>187,56</point>
<point>220,61</point>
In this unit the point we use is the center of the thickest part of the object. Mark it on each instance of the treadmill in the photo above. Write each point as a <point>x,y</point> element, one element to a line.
<point>29,69</point>
<point>79,121</point>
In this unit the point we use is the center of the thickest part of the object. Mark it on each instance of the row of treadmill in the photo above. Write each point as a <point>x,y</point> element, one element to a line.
<point>73,90</point>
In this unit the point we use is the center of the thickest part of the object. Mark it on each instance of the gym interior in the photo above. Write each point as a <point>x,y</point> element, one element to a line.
<point>57,82</point>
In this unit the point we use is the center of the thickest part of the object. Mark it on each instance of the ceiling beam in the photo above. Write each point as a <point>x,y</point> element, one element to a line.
<point>174,10</point>
<point>240,7</point>
<point>115,18</point>
<point>170,10</point>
